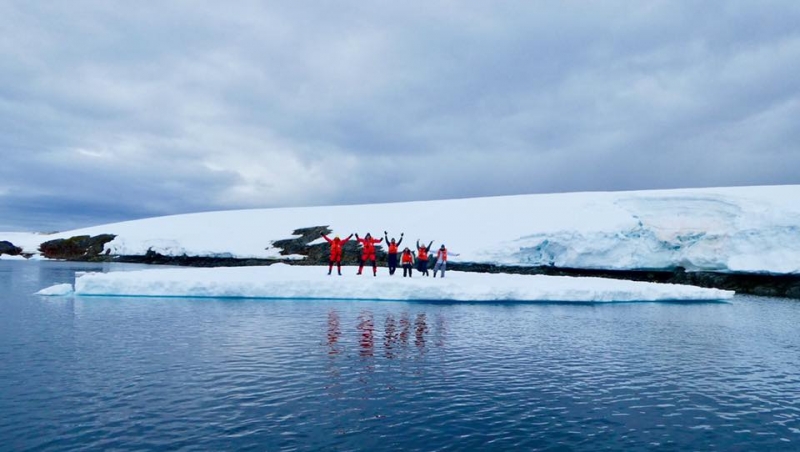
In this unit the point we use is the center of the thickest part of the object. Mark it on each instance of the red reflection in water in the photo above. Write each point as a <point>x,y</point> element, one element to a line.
<point>420,329</point>
<point>334,332</point>
<point>397,333</point>
<point>367,328</point>
<point>390,336</point>
<point>405,327</point>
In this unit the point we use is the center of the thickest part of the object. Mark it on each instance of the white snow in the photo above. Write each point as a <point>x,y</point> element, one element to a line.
<point>744,229</point>
<point>312,282</point>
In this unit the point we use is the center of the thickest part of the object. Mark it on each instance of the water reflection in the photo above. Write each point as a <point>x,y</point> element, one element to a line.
<point>420,330</point>
<point>390,336</point>
<point>397,334</point>
<point>366,327</point>
<point>333,385</point>
<point>334,332</point>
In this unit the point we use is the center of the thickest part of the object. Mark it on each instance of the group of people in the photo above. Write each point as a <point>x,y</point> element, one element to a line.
<point>406,258</point>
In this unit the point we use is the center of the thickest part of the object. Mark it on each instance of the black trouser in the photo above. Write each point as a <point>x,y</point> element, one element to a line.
<point>392,261</point>
<point>422,266</point>
<point>407,270</point>
<point>338,265</point>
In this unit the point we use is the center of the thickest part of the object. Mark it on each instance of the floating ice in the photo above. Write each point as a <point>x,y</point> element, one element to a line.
<point>312,282</point>
<point>57,290</point>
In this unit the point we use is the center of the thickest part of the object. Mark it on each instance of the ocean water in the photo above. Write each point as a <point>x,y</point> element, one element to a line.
<point>173,374</point>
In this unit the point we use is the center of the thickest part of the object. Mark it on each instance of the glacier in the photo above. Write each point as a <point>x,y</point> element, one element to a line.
<point>732,229</point>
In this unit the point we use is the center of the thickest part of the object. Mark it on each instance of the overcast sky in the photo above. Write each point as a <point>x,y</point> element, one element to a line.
<point>113,110</point>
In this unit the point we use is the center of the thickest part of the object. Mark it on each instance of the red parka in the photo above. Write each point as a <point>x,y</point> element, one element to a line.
<point>336,247</point>
<point>369,247</point>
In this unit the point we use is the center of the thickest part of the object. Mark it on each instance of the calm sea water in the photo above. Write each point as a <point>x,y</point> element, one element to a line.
<point>220,374</point>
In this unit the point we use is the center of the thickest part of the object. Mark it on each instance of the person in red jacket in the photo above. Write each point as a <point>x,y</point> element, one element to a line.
<point>422,258</point>
<point>391,255</point>
<point>441,260</point>
<point>407,260</point>
<point>336,251</point>
<point>368,253</point>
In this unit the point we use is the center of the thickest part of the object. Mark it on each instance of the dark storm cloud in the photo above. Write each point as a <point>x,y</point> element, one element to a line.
<point>113,110</point>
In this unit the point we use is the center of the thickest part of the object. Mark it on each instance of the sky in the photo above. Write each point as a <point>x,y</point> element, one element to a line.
<point>112,110</point>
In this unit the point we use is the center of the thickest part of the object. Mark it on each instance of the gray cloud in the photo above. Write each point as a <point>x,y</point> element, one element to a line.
<point>110,111</point>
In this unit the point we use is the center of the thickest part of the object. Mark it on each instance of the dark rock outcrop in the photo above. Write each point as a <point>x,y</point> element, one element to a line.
<point>155,258</point>
<point>320,254</point>
<point>9,248</point>
<point>78,248</point>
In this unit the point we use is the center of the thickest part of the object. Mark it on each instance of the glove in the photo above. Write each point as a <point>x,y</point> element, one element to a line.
<point>385,233</point>
<point>401,234</point>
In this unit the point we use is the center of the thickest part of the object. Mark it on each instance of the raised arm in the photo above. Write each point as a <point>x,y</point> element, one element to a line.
<point>386,236</point>
<point>430,245</point>
<point>325,237</point>
<point>417,243</point>
<point>401,239</point>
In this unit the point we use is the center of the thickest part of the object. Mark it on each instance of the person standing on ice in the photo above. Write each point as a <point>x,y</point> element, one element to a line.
<point>336,251</point>
<point>441,260</point>
<point>392,254</point>
<point>422,258</point>
<point>368,252</point>
<point>407,260</point>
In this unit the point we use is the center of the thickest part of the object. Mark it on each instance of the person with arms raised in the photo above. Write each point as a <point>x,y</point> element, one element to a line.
<point>391,259</point>
<point>368,252</point>
<point>441,260</point>
<point>336,251</point>
<point>422,258</point>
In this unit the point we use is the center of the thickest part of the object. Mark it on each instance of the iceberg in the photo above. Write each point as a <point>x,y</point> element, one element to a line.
<point>281,281</point>
<point>56,290</point>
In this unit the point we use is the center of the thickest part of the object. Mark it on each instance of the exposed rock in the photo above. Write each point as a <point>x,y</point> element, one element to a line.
<point>78,248</point>
<point>320,254</point>
<point>156,258</point>
<point>9,248</point>
<point>794,291</point>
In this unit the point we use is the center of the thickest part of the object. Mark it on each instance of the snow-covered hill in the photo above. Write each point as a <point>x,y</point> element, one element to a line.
<point>744,229</point>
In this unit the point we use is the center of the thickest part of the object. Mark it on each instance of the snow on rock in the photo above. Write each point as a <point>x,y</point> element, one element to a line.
<point>312,282</point>
<point>743,229</point>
